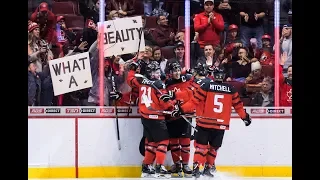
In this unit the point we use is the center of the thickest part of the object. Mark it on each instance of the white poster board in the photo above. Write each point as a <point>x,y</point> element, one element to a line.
<point>121,36</point>
<point>70,73</point>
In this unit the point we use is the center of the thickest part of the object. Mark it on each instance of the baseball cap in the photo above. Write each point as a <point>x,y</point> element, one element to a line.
<point>179,44</point>
<point>43,7</point>
<point>287,26</point>
<point>208,1</point>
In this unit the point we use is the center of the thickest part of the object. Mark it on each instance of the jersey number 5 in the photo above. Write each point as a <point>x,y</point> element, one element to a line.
<point>217,102</point>
<point>146,91</point>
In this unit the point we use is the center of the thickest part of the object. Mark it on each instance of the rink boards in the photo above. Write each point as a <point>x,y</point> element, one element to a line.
<point>71,142</point>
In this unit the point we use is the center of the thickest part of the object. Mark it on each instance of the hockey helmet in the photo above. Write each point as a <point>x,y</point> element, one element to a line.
<point>201,69</point>
<point>266,36</point>
<point>151,67</point>
<point>174,66</point>
<point>219,74</point>
<point>233,27</point>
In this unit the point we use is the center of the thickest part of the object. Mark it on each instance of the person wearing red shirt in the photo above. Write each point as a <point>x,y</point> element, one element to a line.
<point>209,24</point>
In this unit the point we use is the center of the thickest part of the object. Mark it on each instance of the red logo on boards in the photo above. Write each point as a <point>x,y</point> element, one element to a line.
<point>106,110</point>
<point>258,111</point>
<point>72,110</point>
<point>36,110</point>
<point>290,111</point>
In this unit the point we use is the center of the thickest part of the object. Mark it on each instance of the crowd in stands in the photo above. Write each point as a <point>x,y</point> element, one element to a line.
<point>236,36</point>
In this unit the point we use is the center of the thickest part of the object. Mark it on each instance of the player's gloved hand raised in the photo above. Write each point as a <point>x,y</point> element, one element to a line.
<point>167,97</point>
<point>133,66</point>
<point>177,111</point>
<point>247,120</point>
<point>115,95</point>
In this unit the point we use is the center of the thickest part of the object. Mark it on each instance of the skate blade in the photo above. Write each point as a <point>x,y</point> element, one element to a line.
<point>160,176</point>
<point>146,175</point>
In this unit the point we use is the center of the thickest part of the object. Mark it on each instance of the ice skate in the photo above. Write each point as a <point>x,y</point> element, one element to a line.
<point>186,171</point>
<point>209,171</point>
<point>161,172</point>
<point>147,171</point>
<point>176,170</point>
<point>196,172</point>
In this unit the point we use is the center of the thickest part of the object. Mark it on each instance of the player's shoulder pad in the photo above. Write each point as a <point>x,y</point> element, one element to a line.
<point>213,86</point>
<point>231,87</point>
<point>169,82</point>
<point>159,84</point>
<point>186,77</point>
<point>205,84</point>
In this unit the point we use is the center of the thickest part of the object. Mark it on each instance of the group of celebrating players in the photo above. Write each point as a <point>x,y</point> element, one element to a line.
<point>166,107</point>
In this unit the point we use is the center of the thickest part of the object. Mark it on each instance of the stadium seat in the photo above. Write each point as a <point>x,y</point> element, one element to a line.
<point>151,21</point>
<point>67,7</point>
<point>139,7</point>
<point>180,23</point>
<point>73,21</point>
<point>167,52</point>
<point>268,70</point>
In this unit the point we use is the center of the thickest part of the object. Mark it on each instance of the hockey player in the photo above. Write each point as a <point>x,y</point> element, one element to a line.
<point>216,100</point>
<point>154,125</point>
<point>179,130</point>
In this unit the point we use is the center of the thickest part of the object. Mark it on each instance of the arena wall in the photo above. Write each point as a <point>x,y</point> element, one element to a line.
<point>73,142</point>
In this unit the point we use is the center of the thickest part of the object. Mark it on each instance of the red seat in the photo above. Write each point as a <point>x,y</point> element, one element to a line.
<point>181,24</point>
<point>151,21</point>
<point>73,21</point>
<point>67,7</point>
<point>268,70</point>
<point>167,52</point>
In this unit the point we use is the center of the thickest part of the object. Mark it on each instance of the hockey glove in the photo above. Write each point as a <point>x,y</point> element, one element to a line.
<point>115,95</point>
<point>177,111</point>
<point>167,97</point>
<point>247,120</point>
<point>133,66</point>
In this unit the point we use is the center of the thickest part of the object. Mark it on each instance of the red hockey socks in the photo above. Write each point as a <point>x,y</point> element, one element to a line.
<point>211,155</point>
<point>200,154</point>
<point>161,151</point>
<point>185,150</point>
<point>175,149</point>
<point>150,152</point>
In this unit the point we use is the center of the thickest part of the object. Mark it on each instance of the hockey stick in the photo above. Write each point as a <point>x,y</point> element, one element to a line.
<point>148,105</point>
<point>116,109</point>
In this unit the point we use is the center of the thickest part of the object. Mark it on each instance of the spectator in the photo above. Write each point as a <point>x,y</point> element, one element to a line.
<point>256,76</point>
<point>163,34</point>
<point>285,84</point>
<point>264,98</point>
<point>209,24</point>
<point>179,56</point>
<point>148,38</point>
<point>158,9</point>
<point>90,32</point>
<point>252,14</point>
<point>285,13</point>
<point>38,49</point>
<point>63,34</point>
<point>90,13</point>
<point>286,46</point>
<point>179,37</point>
<point>233,42</point>
<point>46,21</point>
<point>265,54</point>
<point>157,56</point>
<point>40,91</point>
<point>240,69</point>
<point>209,55</point>
<point>123,7</point>
<point>228,13</point>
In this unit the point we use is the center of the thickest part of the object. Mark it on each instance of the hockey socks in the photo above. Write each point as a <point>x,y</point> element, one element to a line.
<point>150,152</point>
<point>211,155</point>
<point>175,149</point>
<point>185,150</point>
<point>161,151</point>
<point>200,154</point>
